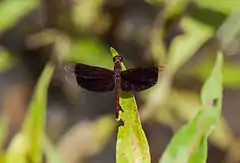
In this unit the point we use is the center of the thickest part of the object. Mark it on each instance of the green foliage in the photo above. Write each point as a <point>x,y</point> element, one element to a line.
<point>3,134</point>
<point>174,8</point>
<point>86,12</point>
<point>90,51</point>
<point>6,61</point>
<point>230,72</point>
<point>226,7</point>
<point>229,33</point>
<point>186,45</point>
<point>52,155</point>
<point>132,144</point>
<point>26,145</point>
<point>190,142</point>
<point>14,9</point>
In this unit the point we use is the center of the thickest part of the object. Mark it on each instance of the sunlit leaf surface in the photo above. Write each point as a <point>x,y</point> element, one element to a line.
<point>132,145</point>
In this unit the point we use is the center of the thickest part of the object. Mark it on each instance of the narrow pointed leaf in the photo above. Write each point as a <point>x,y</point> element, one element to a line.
<point>26,145</point>
<point>189,145</point>
<point>132,145</point>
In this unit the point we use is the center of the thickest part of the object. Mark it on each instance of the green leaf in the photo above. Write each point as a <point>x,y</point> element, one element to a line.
<point>51,153</point>
<point>6,60</point>
<point>12,10</point>
<point>26,145</point>
<point>86,139</point>
<point>229,34</point>
<point>132,145</point>
<point>3,135</point>
<point>3,130</point>
<point>90,51</point>
<point>231,72</point>
<point>86,12</point>
<point>223,6</point>
<point>155,2</point>
<point>174,8</point>
<point>45,37</point>
<point>186,45</point>
<point>190,142</point>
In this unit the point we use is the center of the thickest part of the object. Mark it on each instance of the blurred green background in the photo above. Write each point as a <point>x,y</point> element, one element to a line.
<point>182,35</point>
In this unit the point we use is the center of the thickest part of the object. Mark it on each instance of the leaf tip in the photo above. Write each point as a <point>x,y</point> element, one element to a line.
<point>113,51</point>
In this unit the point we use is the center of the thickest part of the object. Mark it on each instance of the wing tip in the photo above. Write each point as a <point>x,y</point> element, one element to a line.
<point>161,68</point>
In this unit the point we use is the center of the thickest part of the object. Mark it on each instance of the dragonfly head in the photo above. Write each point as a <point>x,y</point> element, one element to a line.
<point>118,59</point>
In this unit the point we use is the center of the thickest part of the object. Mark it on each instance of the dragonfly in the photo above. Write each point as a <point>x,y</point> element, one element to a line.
<point>98,79</point>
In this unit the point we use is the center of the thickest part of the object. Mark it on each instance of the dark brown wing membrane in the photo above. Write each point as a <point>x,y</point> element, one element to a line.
<point>138,79</point>
<point>93,78</point>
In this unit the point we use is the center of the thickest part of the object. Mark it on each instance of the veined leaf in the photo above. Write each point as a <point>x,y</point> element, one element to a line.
<point>132,145</point>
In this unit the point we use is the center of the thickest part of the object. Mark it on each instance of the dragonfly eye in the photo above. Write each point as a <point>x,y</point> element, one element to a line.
<point>118,58</point>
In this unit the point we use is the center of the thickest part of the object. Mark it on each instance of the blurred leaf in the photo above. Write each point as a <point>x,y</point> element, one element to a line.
<point>222,137</point>
<point>175,111</point>
<point>86,139</point>
<point>26,145</point>
<point>155,2</point>
<point>132,145</point>
<point>92,52</point>
<point>18,150</point>
<point>186,45</point>
<point>206,16</point>
<point>224,6</point>
<point>3,135</point>
<point>12,10</point>
<point>85,12</point>
<point>229,33</point>
<point>6,60</point>
<point>3,130</point>
<point>50,151</point>
<point>176,7</point>
<point>190,142</point>
<point>230,72</point>
<point>51,36</point>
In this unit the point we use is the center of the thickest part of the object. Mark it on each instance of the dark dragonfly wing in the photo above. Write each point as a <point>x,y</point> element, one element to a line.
<point>138,79</point>
<point>93,78</point>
